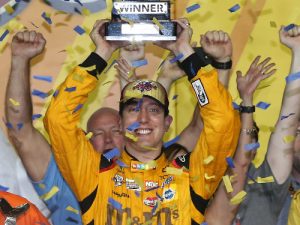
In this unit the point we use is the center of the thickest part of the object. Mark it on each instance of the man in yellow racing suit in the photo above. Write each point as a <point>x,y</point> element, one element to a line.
<point>141,186</point>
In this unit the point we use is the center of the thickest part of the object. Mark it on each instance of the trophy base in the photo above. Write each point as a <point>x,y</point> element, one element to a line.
<point>117,31</point>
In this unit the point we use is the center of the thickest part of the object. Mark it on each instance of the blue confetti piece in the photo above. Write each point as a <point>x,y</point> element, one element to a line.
<point>252,146</point>
<point>235,106</point>
<point>169,143</point>
<point>192,8</point>
<point>39,93</point>
<point>115,152</point>
<point>284,117</point>
<point>120,163</point>
<point>139,63</point>
<point>263,105</point>
<point>133,126</point>
<point>176,58</point>
<point>79,106</point>
<point>78,2</point>
<point>115,204</point>
<point>289,27</point>
<point>20,125</point>
<point>234,8</point>
<point>159,197</point>
<point>70,89</point>
<point>250,177</point>
<point>9,125</point>
<point>79,30</point>
<point>5,33</point>
<point>292,77</point>
<point>174,97</point>
<point>2,188</point>
<point>55,93</point>
<point>230,163</point>
<point>204,223</point>
<point>36,116</point>
<point>138,106</point>
<point>43,78</point>
<point>153,210</point>
<point>137,193</point>
<point>47,19</point>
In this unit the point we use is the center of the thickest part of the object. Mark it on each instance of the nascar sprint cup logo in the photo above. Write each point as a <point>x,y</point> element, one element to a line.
<point>141,7</point>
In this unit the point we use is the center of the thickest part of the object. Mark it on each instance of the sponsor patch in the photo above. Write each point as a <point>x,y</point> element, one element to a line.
<point>150,184</point>
<point>118,180</point>
<point>150,201</point>
<point>132,185</point>
<point>200,92</point>
<point>168,195</point>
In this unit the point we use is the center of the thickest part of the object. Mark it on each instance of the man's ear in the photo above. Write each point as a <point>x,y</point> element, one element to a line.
<point>168,121</point>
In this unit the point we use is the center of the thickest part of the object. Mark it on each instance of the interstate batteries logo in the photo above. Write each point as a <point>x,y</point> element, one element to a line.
<point>141,7</point>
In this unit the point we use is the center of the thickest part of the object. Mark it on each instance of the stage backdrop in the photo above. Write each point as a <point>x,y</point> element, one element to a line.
<point>253,27</point>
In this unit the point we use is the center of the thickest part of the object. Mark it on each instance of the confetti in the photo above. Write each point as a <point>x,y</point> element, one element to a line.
<point>2,188</point>
<point>235,106</point>
<point>263,105</point>
<point>251,146</point>
<point>115,152</point>
<point>121,164</point>
<point>292,77</point>
<point>55,93</point>
<point>209,177</point>
<point>234,8</point>
<point>78,2</point>
<point>139,63</point>
<point>230,163</point>
<point>150,148</point>
<point>50,194</point>
<point>208,160</point>
<point>9,125</point>
<point>133,126</point>
<point>263,180</point>
<point>192,8</point>
<point>174,171</point>
<point>115,204</point>
<point>9,9</point>
<point>50,92</point>
<point>176,58</point>
<point>289,27</point>
<point>43,78</point>
<point>36,116</point>
<point>139,104</point>
<point>284,117</point>
<point>47,18</point>
<point>5,33</point>
<point>227,184</point>
<point>204,223</point>
<point>157,23</point>
<point>174,97</point>
<point>79,30</point>
<point>14,102</point>
<point>131,136</point>
<point>86,11</point>
<point>169,143</point>
<point>288,139</point>
<point>20,125</point>
<point>238,198</point>
<point>39,93</point>
<point>70,89</point>
<point>71,209</point>
<point>79,106</point>
<point>89,135</point>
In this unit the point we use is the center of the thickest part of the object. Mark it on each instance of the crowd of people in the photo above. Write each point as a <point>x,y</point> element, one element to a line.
<point>119,171</point>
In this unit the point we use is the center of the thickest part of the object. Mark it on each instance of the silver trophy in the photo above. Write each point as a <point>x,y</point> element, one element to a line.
<point>140,20</point>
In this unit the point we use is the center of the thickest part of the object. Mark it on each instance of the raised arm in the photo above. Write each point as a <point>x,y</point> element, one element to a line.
<point>31,146</point>
<point>278,156</point>
<point>221,211</point>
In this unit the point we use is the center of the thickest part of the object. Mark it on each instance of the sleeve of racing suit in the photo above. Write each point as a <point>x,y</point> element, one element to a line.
<point>219,136</point>
<point>75,156</point>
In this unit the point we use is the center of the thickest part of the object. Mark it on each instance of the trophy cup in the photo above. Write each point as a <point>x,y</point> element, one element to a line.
<point>140,20</point>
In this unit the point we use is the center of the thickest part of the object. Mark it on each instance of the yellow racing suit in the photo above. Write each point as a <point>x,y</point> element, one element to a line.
<point>124,192</point>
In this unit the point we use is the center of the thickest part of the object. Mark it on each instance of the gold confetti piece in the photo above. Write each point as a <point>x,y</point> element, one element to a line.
<point>263,180</point>
<point>9,9</point>
<point>50,194</point>
<point>14,102</point>
<point>78,77</point>
<point>89,135</point>
<point>209,177</point>
<point>71,209</point>
<point>131,136</point>
<point>288,139</point>
<point>149,148</point>
<point>273,24</point>
<point>238,198</point>
<point>43,186</point>
<point>208,160</point>
<point>85,12</point>
<point>157,23</point>
<point>227,184</point>
<point>93,67</point>
<point>250,182</point>
<point>174,171</point>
